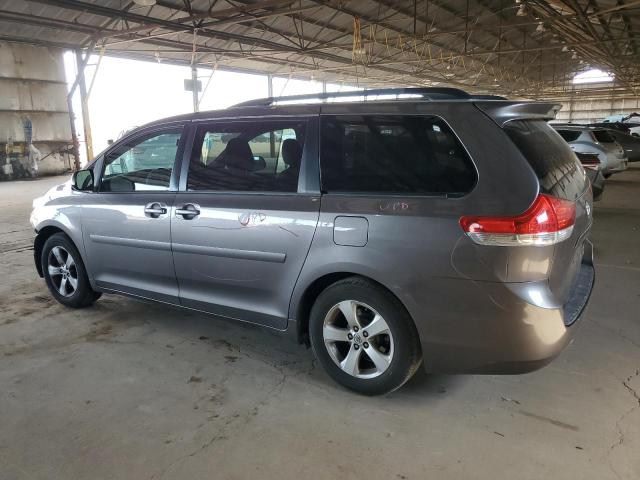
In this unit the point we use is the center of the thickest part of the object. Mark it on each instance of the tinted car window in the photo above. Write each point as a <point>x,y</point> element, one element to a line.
<point>569,135</point>
<point>141,164</point>
<point>247,156</point>
<point>556,166</point>
<point>393,155</point>
<point>603,136</point>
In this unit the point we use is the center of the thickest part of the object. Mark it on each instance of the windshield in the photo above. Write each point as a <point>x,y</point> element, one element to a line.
<point>569,135</point>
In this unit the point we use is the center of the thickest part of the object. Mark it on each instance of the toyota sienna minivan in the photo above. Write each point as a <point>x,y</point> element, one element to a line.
<point>386,229</point>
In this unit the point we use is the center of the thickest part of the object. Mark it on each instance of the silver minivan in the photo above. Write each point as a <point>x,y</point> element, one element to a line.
<point>599,141</point>
<point>394,229</point>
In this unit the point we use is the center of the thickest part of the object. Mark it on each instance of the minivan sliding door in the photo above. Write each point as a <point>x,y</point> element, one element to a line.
<point>244,218</point>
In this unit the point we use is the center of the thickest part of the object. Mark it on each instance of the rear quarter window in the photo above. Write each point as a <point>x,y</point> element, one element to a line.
<point>603,136</point>
<point>393,155</point>
<point>569,135</point>
<point>558,170</point>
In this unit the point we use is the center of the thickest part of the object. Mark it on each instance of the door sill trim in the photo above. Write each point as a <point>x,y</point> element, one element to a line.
<point>192,309</point>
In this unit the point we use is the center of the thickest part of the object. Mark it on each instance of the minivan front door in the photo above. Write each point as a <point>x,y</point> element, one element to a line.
<point>241,230</point>
<point>126,224</point>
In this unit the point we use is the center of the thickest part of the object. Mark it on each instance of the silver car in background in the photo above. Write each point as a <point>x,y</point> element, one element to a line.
<point>630,144</point>
<point>584,139</point>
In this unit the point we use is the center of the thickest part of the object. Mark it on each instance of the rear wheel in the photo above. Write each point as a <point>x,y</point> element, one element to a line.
<point>363,337</point>
<point>65,273</point>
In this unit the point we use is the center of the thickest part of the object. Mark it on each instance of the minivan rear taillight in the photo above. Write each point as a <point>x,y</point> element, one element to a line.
<point>548,221</point>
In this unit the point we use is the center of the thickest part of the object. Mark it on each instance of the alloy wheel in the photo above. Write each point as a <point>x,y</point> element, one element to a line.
<point>358,339</point>
<point>63,271</point>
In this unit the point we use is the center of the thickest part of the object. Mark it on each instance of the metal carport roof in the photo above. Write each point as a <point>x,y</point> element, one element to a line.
<point>528,48</point>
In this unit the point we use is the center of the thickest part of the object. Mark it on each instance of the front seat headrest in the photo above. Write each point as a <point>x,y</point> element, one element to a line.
<point>237,154</point>
<point>291,152</point>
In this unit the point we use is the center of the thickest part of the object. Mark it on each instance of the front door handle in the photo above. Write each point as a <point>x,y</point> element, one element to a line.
<point>188,211</point>
<point>155,209</point>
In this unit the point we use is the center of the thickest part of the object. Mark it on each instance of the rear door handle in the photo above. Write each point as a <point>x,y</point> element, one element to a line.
<point>155,209</point>
<point>188,211</point>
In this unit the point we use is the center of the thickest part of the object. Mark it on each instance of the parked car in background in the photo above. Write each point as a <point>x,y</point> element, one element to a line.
<point>585,139</point>
<point>621,127</point>
<point>629,143</point>
<point>629,122</point>
<point>440,228</point>
<point>593,169</point>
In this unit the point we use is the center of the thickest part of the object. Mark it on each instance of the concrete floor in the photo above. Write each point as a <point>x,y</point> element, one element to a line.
<point>133,390</point>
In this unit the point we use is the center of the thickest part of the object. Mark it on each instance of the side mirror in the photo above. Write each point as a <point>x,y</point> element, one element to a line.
<point>82,180</point>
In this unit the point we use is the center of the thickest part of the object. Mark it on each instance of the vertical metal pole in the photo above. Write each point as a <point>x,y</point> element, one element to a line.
<point>415,16</point>
<point>270,86</point>
<point>194,81</point>
<point>85,106</point>
<point>272,137</point>
<point>613,109</point>
<point>466,29</point>
<point>324,86</point>
<point>74,136</point>
<point>571,102</point>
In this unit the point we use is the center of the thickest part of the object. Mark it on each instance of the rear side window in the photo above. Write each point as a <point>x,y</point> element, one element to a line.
<point>569,135</point>
<point>556,166</point>
<point>603,136</point>
<point>251,156</point>
<point>415,155</point>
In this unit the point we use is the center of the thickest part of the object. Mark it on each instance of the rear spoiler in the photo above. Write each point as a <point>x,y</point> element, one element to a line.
<point>502,112</point>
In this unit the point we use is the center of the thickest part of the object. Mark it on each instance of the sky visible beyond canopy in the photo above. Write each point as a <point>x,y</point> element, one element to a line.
<point>130,93</point>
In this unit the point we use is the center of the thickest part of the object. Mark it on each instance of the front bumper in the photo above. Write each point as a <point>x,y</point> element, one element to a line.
<point>505,328</point>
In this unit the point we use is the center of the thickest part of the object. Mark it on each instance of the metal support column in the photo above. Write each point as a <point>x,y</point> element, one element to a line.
<point>571,100</point>
<point>72,117</point>
<point>272,137</point>
<point>194,81</point>
<point>84,104</point>
<point>74,136</point>
<point>270,86</point>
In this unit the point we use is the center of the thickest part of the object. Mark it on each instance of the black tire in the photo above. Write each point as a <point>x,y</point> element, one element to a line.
<point>406,354</point>
<point>80,296</point>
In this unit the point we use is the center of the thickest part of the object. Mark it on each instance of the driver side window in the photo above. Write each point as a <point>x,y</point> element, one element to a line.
<point>143,164</point>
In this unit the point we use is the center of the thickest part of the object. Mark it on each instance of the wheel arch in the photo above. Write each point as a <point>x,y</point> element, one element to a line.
<point>44,232</point>
<point>38,244</point>
<point>307,298</point>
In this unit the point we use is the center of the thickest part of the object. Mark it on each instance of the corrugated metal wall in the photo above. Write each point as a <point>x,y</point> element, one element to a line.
<point>579,108</point>
<point>35,133</point>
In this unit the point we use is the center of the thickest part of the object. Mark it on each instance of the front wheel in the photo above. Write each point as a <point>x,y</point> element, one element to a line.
<point>65,273</point>
<point>364,337</point>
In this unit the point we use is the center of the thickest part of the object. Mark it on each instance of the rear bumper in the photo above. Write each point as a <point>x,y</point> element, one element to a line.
<point>508,328</point>
<point>620,166</point>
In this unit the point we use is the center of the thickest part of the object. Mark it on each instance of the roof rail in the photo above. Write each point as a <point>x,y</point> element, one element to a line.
<point>489,97</point>
<point>425,93</point>
<point>570,124</point>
